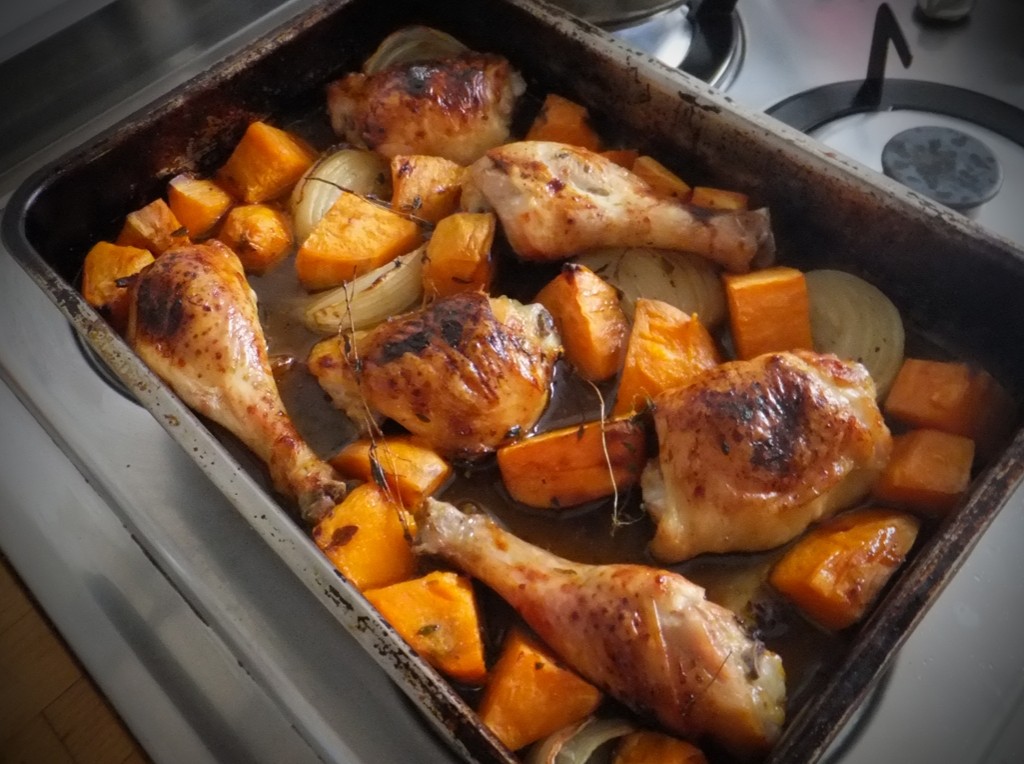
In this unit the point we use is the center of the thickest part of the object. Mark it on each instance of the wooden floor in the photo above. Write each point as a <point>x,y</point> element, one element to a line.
<point>50,711</point>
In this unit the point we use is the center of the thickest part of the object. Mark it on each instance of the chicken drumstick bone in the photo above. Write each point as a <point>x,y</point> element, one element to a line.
<point>646,636</point>
<point>193,320</point>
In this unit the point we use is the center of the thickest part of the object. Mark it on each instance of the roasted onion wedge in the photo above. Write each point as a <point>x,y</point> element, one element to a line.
<point>686,281</point>
<point>367,300</point>
<point>411,44</point>
<point>853,319</point>
<point>360,171</point>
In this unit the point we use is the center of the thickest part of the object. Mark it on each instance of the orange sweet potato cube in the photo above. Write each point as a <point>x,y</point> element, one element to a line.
<point>622,157</point>
<point>564,121</point>
<point>569,466</point>
<point>458,255</point>
<point>530,694</point>
<point>929,471</point>
<point>769,311</point>
<point>260,235</point>
<point>154,227</point>
<point>428,187</point>
<point>719,198</point>
<point>836,571</point>
<point>650,747</point>
<point>265,164</point>
<point>104,271</point>
<point>367,537</point>
<point>666,347</point>
<point>590,320</point>
<point>661,179</point>
<point>411,470</point>
<point>953,397</point>
<point>354,237</point>
<point>438,616</point>
<point>197,203</point>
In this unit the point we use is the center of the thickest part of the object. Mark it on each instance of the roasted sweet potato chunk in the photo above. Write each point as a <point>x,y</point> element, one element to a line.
<point>530,694</point>
<point>650,747</point>
<point>573,465</point>
<point>564,121</point>
<point>661,179</point>
<point>399,463</point>
<point>153,227</point>
<point>836,571</point>
<point>769,310</point>
<point>929,471</point>
<point>367,537</point>
<point>437,615</point>
<point>590,320</point>
<point>197,203</point>
<point>352,238</point>
<point>953,397</point>
<point>666,347</point>
<point>428,187</point>
<point>459,255</point>
<point>106,267</point>
<point>260,235</point>
<point>719,198</point>
<point>265,164</point>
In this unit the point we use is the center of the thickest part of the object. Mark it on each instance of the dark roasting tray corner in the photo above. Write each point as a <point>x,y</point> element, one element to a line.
<point>961,285</point>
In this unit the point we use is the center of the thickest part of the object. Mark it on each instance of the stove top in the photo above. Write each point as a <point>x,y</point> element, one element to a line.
<point>865,77</point>
<point>181,616</point>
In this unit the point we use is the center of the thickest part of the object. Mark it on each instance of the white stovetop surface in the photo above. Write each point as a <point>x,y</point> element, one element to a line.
<point>187,637</point>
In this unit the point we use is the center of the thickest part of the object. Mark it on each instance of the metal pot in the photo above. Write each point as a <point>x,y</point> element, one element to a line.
<point>614,13</point>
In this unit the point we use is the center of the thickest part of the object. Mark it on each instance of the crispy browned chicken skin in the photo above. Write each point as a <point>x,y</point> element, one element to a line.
<point>467,373</point>
<point>752,452</point>
<point>193,320</point>
<point>454,107</point>
<point>646,636</point>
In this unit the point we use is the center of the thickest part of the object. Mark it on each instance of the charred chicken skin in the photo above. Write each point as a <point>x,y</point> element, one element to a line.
<point>467,373</point>
<point>193,320</point>
<point>556,200</point>
<point>646,636</point>
<point>752,452</point>
<point>455,107</point>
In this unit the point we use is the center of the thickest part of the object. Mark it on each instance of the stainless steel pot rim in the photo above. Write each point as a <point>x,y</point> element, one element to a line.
<point>614,13</point>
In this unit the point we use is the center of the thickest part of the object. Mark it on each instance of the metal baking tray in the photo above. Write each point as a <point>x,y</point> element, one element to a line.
<point>959,285</point>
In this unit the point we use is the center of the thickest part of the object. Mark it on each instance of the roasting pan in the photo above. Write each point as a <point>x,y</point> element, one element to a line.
<point>958,285</point>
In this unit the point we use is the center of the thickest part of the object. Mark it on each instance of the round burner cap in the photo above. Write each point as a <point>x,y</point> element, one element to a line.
<point>944,164</point>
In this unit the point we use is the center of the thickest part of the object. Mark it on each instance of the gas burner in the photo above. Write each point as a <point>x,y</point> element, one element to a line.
<point>948,165</point>
<point>703,38</point>
<point>893,125</point>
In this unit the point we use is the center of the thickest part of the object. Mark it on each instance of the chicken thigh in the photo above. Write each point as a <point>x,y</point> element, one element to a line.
<point>752,452</point>
<point>646,636</point>
<point>556,200</point>
<point>467,373</point>
<point>193,320</point>
<point>456,107</point>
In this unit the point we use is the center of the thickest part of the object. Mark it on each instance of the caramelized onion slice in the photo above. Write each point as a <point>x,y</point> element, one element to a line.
<point>360,171</point>
<point>367,300</point>
<point>410,45</point>
<point>577,743</point>
<point>688,282</point>
<point>855,320</point>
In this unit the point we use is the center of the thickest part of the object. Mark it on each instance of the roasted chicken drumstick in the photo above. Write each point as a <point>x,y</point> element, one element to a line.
<point>556,200</point>
<point>646,636</point>
<point>193,320</point>
<point>752,452</point>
